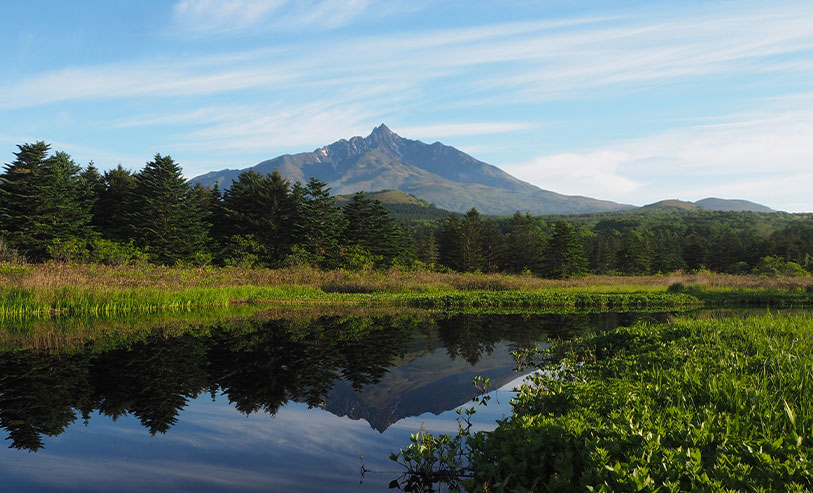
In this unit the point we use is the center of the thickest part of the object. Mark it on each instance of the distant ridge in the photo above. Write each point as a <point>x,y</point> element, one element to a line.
<point>439,174</point>
<point>715,204</point>
<point>712,204</point>
<point>673,204</point>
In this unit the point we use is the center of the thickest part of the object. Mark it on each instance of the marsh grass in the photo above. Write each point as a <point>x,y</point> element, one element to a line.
<point>695,405</point>
<point>575,299</point>
<point>55,275</point>
<point>18,302</point>
<point>88,289</point>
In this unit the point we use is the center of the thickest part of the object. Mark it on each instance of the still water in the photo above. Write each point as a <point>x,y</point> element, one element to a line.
<point>268,403</point>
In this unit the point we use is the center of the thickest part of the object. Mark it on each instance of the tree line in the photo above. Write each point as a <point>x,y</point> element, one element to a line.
<point>51,208</point>
<point>625,243</point>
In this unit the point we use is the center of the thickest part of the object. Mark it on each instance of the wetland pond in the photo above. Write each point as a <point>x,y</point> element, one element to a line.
<point>264,403</point>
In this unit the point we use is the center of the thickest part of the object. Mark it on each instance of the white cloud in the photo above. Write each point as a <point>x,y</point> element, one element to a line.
<point>159,79</point>
<point>460,129</point>
<point>232,16</point>
<point>591,174</point>
<point>273,127</point>
<point>223,15</point>
<point>491,64</point>
<point>309,92</point>
<point>762,156</point>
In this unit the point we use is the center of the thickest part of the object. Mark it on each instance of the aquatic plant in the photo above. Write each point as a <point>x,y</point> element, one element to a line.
<point>700,405</point>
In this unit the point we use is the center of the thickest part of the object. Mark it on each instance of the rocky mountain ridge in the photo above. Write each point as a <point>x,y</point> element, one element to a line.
<point>439,174</point>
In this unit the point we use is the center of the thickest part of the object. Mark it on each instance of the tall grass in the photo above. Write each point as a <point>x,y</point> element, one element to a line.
<point>566,299</point>
<point>55,275</point>
<point>67,289</point>
<point>74,301</point>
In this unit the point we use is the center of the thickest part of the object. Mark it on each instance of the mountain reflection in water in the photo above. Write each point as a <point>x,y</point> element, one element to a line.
<point>379,369</point>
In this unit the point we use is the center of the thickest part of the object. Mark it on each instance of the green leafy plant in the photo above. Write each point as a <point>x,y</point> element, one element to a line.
<point>694,405</point>
<point>430,460</point>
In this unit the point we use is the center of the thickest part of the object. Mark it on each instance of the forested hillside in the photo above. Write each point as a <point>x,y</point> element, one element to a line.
<point>53,209</point>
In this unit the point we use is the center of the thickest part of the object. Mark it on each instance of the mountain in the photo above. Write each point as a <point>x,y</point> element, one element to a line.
<point>715,204</point>
<point>711,204</point>
<point>440,174</point>
<point>673,204</point>
<point>431,383</point>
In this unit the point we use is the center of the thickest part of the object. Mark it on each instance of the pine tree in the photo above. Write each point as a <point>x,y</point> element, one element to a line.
<point>525,245</point>
<point>321,224</point>
<point>260,212</point>
<point>207,201</point>
<point>163,218</point>
<point>426,246</point>
<point>471,255</point>
<point>112,217</point>
<point>40,201</point>
<point>61,202</point>
<point>694,251</point>
<point>368,226</point>
<point>449,244</point>
<point>564,255</point>
<point>633,257</point>
<point>19,196</point>
<point>91,185</point>
<point>492,246</point>
<point>281,209</point>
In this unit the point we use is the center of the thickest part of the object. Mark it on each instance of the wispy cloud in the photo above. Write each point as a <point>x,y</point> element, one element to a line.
<point>512,62</point>
<point>223,15</point>
<point>283,127</point>
<point>592,173</point>
<point>763,156</point>
<point>462,129</point>
<point>135,80</point>
<point>235,16</point>
<point>462,80</point>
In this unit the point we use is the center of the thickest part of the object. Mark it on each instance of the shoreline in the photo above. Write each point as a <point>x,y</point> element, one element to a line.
<point>57,290</point>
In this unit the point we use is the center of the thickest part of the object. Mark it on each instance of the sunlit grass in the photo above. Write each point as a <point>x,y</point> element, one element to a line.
<point>68,289</point>
<point>695,405</point>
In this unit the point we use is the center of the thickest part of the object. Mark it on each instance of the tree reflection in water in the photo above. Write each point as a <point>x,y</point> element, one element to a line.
<point>257,365</point>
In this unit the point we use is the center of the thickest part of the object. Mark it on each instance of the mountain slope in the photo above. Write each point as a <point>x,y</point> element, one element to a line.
<point>440,174</point>
<point>673,204</point>
<point>715,204</point>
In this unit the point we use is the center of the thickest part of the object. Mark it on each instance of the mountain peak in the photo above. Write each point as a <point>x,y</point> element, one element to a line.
<point>436,173</point>
<point>382,130</point>
<point>383,137</point>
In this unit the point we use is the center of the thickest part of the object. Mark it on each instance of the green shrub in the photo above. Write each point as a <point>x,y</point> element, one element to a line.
<point>777,266</point>
<point>96,251</point>
<point>113,253</point>
<point>245,251</point>
<point>355,257</point>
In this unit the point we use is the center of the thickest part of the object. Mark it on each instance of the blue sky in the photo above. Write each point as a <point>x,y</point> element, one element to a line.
<point>631,101</point>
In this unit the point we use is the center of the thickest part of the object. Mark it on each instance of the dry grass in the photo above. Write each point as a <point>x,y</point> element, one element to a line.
<point>58,275</point>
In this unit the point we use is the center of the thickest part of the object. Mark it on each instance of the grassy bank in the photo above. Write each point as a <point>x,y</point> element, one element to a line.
<point>696,405</point>
<point>59,275</point>
<point>548,298</point>
<point>26,302</point>
<point>83,290</point>
<point>727,296</point>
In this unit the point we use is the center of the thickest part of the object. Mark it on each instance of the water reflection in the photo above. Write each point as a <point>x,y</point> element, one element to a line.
<point>379,369</point>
